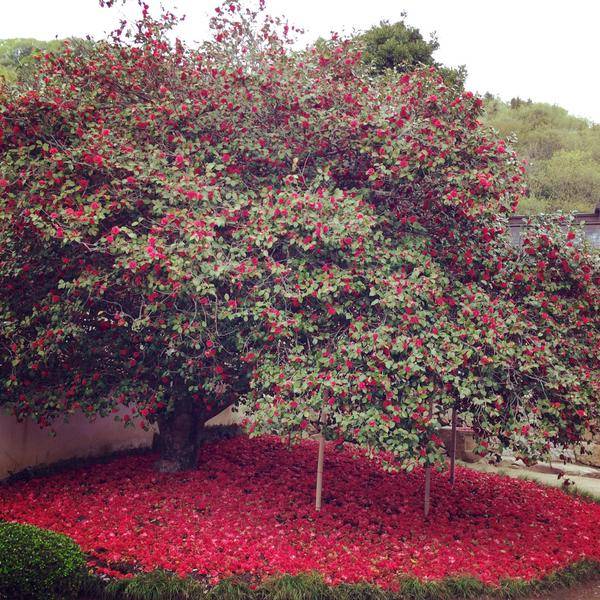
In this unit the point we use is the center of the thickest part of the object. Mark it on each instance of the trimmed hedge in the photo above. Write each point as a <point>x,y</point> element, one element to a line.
<point>36,564</point>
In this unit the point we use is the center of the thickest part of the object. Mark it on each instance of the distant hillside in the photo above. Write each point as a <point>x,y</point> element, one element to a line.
<point>562,151</point>
<point>16,55</point>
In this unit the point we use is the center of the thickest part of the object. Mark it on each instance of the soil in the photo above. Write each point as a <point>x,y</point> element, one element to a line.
<point>588,591</point>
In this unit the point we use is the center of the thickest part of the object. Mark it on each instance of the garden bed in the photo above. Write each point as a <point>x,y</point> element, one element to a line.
<point>248,511</point>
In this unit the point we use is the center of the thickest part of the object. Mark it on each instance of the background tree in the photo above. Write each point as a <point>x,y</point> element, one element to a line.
<point>562,154</point>
<point>17,55</point>
<point>402,47</point>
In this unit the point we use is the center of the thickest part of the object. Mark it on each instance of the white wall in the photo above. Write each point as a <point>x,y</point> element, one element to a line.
<point>24,445</point>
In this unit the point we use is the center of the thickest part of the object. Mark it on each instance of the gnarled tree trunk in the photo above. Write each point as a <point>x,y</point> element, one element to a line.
<point>182,431</point>
<point>178,430</point>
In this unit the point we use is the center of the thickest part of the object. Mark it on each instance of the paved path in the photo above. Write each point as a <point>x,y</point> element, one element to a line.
<point>585,479</point>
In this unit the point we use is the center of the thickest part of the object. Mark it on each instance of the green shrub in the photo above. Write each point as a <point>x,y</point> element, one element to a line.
<point>38,564</point>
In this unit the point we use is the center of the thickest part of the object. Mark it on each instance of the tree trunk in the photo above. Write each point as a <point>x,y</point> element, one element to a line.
<point>179,433</point>
<point>182,432</point>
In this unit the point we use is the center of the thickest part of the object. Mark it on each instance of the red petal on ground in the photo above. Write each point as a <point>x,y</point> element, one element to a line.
<point>249,509</point>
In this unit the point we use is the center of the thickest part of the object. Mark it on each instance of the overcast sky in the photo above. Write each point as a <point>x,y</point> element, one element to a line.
<point>546,50</point>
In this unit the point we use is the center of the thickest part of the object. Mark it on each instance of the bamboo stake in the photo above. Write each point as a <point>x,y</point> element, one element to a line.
<point>320,471</point>
<point>453,447</point>
<point>427,490</point>
<point>427,502</point>
<point>319,487</point>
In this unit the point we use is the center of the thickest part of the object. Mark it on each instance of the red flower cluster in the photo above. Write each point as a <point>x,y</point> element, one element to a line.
<point>249,509</point>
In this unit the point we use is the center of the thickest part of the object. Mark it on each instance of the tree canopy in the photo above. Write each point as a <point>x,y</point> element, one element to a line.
<point>401,47</point>
<point>182,228</point>
<point>561,150</point>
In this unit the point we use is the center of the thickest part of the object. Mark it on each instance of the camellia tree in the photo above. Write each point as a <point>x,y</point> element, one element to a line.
<point>123,276</point>
<point>182,228</point>
<point>425,310</point>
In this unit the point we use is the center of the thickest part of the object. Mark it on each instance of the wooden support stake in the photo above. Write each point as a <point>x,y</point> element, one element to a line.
<point>427,502</point>
<point>427,490</point>
<point>453,447</point>
<point>320,471</point>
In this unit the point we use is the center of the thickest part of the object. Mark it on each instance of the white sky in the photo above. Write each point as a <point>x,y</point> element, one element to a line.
<point>546,50</point>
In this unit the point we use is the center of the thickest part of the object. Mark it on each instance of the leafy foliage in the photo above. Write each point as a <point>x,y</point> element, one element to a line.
<point>156,585</point>
<point>182,226</point>
<point>39,564</point>
<point>562,152</point>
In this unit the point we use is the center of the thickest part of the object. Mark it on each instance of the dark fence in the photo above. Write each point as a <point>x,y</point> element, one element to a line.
<point>591,226</point>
